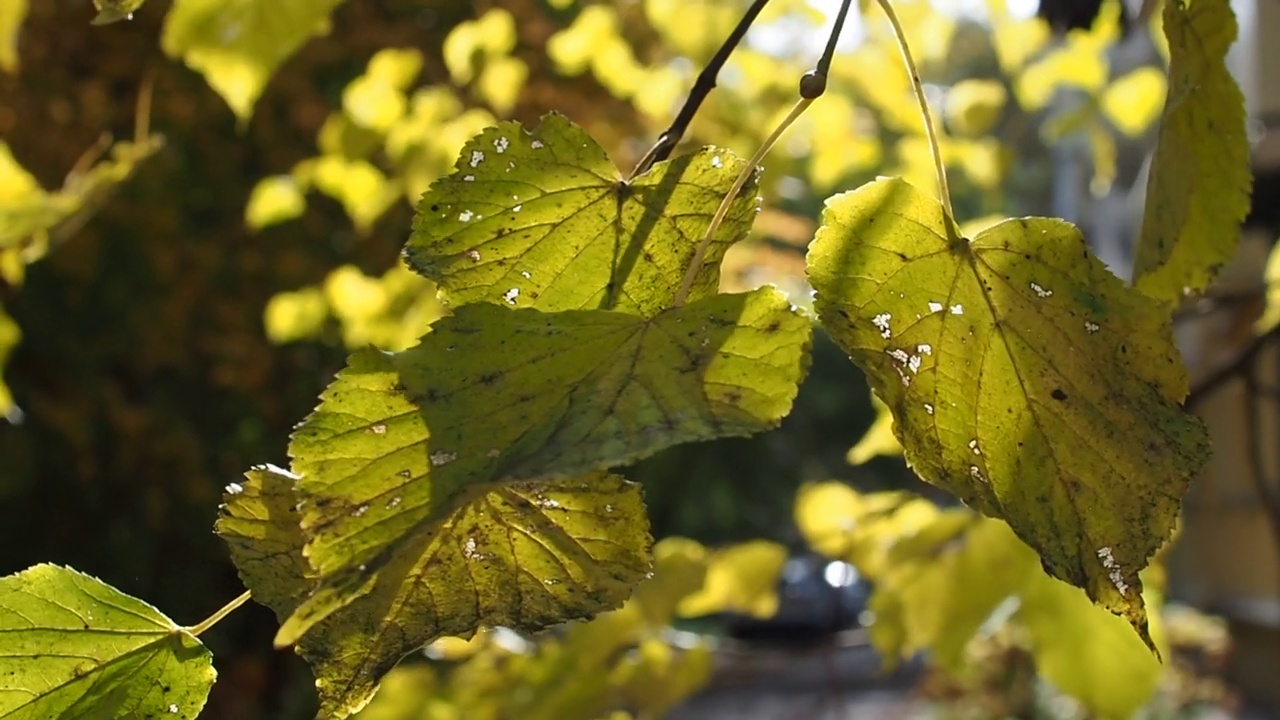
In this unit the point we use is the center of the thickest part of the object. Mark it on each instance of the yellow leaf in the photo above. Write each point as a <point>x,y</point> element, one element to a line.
<point>1079,64</point>
<point>841,523</point>
<point>973,106</point>
<point>354,295</point>
<point>365,193</point>
<point>10,335</point>
<point>1132,103</point>
<point>740,578</point>
<point>878,439</point>
<point>274,200</point>
<point>376,100</point>
<point>12,13</point>
<point>1198,191</point>
<point>1018,41</point>
<point>238,44</point>
<point>571,49</point>
<point>1270,318</point>
<point>292,316</point>
<point>501,81</point>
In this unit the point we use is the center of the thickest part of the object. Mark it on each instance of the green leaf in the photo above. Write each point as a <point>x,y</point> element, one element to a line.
<point>12,14</point>
<point>493,394</point>
<point>1198,191</point>
<point>238,44</point>
<point>1022,375</point>
<point>928,600</point>
<point>110,11</point>
<point>1086,653</point>
<point>274,200</point>
<point>878,439</point>
<point>543,219</point>
<point>77,647</point>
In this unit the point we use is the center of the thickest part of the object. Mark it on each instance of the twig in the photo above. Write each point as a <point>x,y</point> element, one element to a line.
<point>702,87</point>
<point>217,617</point>
<point>1230,370</point>
<point>1257,463</point>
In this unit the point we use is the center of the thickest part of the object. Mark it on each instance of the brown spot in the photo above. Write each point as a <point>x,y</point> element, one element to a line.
<point>1058,394</point>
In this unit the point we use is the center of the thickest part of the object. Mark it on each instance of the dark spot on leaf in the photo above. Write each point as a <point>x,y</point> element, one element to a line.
<point>773,326</point>
<point>490,378</point>
<point>435,208</point>
<point>1058,394</point>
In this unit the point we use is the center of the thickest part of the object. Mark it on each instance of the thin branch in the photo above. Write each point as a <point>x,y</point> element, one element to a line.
<point>702,87</point>
<point>1229,371</point>
<point>1257,461</point>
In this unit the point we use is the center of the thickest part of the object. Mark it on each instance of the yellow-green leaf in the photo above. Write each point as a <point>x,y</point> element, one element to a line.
<point>238,44</point>
<point>1022,376</point>
<point>878,439</point>
<point>274,200</point>
<point>741,578</point>
<point>12,13</point>
<point>110,11</point>
<point>1270,318</point>
<point>10,335</point>
<point>543,219</point>
<point>1198,191</point>
<point>1133,101</point>
<point>75,647</point>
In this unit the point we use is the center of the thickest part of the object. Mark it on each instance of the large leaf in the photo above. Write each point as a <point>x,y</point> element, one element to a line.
<point>493,394</point>
<point>76,647</point>
<point>543,220</point>
<point>1198,192</point>
<point>524,555</point>
<point>238,44</point>
<point>1022,376</point>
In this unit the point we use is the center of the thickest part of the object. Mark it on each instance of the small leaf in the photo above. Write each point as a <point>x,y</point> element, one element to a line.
<point>548,214</point>
<point>491,395</point>
<point>10,335</point>
<point>878,439</point>
<point>1132,102</point>
<point>110,11</point>
<point>274,200</point>
<point>1198,191</point>
<point>741,578</point>
<point>77,647</point>
<point>1270,318</point>
<point>1022,375</point>
<point>12,13</point>
<point>238,44</point>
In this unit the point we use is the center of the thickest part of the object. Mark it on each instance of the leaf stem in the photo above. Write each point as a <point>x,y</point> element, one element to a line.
<point>702,87</point>
<point>691,273</point>
<point>934,148</point>
<point>215,618</point>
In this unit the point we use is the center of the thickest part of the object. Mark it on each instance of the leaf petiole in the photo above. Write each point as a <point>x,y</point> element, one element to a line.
<point>217,617</point>
<point>934,148</point>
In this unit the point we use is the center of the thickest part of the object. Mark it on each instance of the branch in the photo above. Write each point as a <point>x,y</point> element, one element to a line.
<point>1236,367</point>
<point>702,87</point>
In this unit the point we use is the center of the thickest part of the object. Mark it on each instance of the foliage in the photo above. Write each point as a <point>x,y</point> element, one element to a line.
<point>570,318</point>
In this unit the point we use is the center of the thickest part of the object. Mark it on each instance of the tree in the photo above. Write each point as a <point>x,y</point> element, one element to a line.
<point>558,317</point>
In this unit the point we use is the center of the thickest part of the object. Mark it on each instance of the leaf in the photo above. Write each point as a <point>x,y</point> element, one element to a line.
<point>238,44</point>
<point>400,441</point>
<point>878,439</point>
<point>274,200</point>
<point>110,11</point>
<point>12,13</point>
<point>77,647</point>
<point>1022,375</point>
<point>1132,102</point>
<point>741,578</point>
<point>1270,318</point>
<point>543,220</point>
<point>1198,191</point>
<point>1085,652</point>
<point>10,336</point>
<point>929,600</point>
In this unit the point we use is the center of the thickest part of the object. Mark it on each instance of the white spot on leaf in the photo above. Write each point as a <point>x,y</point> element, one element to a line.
<point>494,452</point>
<point>882,321</point>
<point>360,511</point>
<point>935,307</point>
<point>511,295</point>
<point>975,472</point>
<point>973,445</point>
<point>468,178</point>
<point>517,208</point>
<point>716,162</point>
<point>501,145</point>
<point>536,145</point>
<point>393,502</point>
<point>466,215</point>
<point>378,429</point>
<point>1091,327</point>
<point>1114,570</point>
<point>1040,291</point>
<point>440,457</point>
<point>525,274</point>
<point>234,488</point>
<point>477,157</point>
<point>924,349</point>
<point>473,255</point>
<point>928,408</point>
<point>957,309</point>
<point>469,549</point>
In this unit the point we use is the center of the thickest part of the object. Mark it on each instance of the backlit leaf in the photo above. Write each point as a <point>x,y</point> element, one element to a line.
<point>1198,191</point>
<point>238,44</point>
<point>10,335</point>
<point>544,220</point>
<point>1022,375</point>
<point>878,439</point>
<point>75,647</point>
<point>741,578</point>
<point>401,441</point>
<point>274,200</point>
<point>1270,318</point>
<point>1133,101</point>
<point>12,13</point>
<point>110,11</point>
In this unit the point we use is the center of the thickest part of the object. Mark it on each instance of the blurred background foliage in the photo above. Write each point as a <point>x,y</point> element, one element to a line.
<point>201,211</point>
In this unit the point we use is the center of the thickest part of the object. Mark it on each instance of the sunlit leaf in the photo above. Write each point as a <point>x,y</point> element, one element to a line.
<point>429,425</point>
<point>878,439</point>
<point>1085,652</point>
<point>1017,41</point>
<point>679,569</point>
<point>741,578</point>
<point>10,335</point>
<point>295,315</point>
<point>274,200</point>
<point>1078,65</point>
<point>501,81</point>
<point>238,44</point>
<point>841,523</point>
<point>364,191</point>
<point>1270,318</point>
<point>1022,375</point>
<point>492,35</point>
<point>657,677</point>
<point>1132,102</point>
<point>544,220</point>
<point>929,598</point>
<point>572,48</point>
<point>12,13</point>
<point>1198,191</point>
<point>110,11</point>
<point>76,647</point>
<point>974,105</point>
